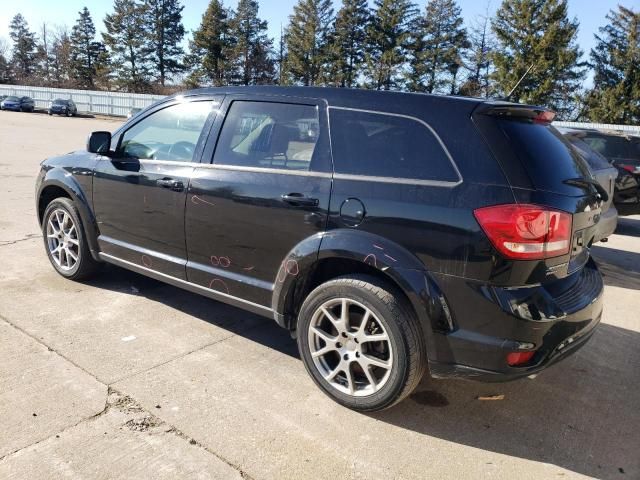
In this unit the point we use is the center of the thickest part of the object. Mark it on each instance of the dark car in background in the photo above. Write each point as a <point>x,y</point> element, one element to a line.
<point>61,106</point>
<point>18,104</point>
<point>390,233</point>
<point>592,143</point>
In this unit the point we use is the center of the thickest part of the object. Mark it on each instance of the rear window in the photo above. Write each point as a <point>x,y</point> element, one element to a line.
<point>595,160</point>
<point>546,155</point>
<point>384,145</point>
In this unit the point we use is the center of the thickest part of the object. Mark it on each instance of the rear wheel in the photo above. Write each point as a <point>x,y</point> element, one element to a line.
<point>65,241</point>
<point>361,343</point>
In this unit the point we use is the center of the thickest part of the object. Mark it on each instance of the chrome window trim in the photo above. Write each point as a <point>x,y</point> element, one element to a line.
<point>280,171</point>
<point>401,180</point>
<point>107,257</point>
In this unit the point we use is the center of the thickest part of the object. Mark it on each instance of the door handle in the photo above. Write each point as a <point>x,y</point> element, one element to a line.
<point>175,185</point>
<point>299,200</point>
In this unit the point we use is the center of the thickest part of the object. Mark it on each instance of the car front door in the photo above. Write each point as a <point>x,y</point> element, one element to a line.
<point>266,190</point>
<point>139,192</point>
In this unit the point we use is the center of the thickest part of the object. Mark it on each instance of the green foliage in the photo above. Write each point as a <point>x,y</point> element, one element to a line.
<point>88,56</point>
<point>210,47</point>
<point>24,54</point>
<point>439,39</point>
<point>615,97</point>
<point>251,55</point>
<point>388,35</point>
<point>538,33</point>
<point>164,37</point>
<point>348,42</point>
<point>307,40</point>
<point>126,40</point>
<point>477,59</point>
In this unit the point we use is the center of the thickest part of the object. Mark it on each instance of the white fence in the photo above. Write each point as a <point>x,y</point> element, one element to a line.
<point>87,101</point>
<point>631,129</point>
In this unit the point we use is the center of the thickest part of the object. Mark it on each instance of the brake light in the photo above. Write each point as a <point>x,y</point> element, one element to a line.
<point>519,358</point>
<point>544,117</point>
<point>629,168</point>
<point>526,232</point>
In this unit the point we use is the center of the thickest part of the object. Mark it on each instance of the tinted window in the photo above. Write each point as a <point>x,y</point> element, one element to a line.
<point>13,99</point>
<point>546,155</point>
<point>383,145</point>
<point>611,146</point>
<point>168,134</point>
<point>268,135</point>
<point>593,158</point>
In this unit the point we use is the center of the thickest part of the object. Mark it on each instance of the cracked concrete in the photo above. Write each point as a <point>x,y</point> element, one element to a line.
<point>131,378</point>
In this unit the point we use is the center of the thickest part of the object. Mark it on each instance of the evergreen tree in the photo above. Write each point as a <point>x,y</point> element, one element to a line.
<point>43,55</point>
<point>436,48</point>
<point>210,47</point>
<point>24,54</point>
<point>538,33</point>
<point>387,40</point>
<point>5,73</point>
<point>251,55</point>
<point>166,31</point>
<point>126,39</point>
<point>477,59</point>
<point>615,97</point>
<point>88,56</point>
<point>307,39</point>
<point>348,41</point>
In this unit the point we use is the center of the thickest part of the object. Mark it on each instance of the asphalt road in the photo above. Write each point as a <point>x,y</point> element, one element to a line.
<point>125,377</point>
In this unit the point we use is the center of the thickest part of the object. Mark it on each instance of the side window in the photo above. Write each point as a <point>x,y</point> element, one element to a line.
<point>384,145</point>
<point>595,160</point>
<point>268,135</point>
<point>168,134</point>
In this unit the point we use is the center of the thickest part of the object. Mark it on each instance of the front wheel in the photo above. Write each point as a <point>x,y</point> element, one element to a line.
<point>361,343</point>
<point>65,241</point>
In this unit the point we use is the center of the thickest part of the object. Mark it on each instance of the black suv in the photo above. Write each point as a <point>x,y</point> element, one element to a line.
<point>60,106</point>
<point>391,233</point>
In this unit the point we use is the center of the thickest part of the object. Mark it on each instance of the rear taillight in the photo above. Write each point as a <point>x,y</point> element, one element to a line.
<point>515,359</point>
<point>629,168</point>
<point>526,232</point>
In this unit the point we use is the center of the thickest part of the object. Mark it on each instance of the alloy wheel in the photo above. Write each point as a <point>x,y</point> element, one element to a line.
<point>62,239</point>
<point>350,347</point>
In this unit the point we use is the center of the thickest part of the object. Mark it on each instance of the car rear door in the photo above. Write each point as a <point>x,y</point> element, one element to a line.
<point>139,192</point>
<point>265,191</point>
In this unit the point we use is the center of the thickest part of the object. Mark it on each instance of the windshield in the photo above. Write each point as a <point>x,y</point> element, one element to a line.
<point>13,99</point>
<point>59,102</point>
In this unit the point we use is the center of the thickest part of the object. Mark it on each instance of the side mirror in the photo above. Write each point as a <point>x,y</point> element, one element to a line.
<point>99,142</point>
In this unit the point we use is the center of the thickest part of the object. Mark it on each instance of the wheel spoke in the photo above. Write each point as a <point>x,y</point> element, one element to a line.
<point>349,375</point>
<point>331,318</point>
<point>370,377</point>
<point>381,337</point>
<point>332,374</point>
<point>73,241</point>
<point>376,362</point>
<point>323,335</point>
<point>344,313</point>
<point>73,256</point>
<point>363,323</point>
<point>53,227</point>
<point>323,351</point>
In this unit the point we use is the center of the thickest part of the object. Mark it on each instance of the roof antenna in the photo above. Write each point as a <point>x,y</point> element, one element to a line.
<point>508,97</point>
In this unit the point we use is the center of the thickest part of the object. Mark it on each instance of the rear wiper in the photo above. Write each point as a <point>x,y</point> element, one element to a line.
<point>586,182</point>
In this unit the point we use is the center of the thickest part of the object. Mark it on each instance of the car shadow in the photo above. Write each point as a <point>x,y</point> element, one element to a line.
<point>581,414</point>
<point>619,268</point>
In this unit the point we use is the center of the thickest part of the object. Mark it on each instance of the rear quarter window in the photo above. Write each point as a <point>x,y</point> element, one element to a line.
<point>595,160</point>
<point>384,145</point>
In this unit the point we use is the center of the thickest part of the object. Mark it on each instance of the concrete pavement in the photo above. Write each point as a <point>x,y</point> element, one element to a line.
<point>131,378</point>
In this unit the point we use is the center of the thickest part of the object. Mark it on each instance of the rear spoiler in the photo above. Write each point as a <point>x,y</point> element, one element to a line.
<point>516,111</point>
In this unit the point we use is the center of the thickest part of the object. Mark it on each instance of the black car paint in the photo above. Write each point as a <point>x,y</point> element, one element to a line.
<point>238,241</point>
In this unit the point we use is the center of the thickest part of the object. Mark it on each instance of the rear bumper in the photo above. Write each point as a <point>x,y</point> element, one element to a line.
<point>491,322</point>
<point>607,224</point>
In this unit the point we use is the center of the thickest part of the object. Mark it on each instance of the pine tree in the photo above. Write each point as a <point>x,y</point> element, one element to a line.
<point>436,49</point>
<point>477,59</point>
<point>210,47</point>
<point>166,31</point>
<point>87,54</point>
<point>307,39</point>
<point>348,41</point>
<point>126,39</point>
<point>251,55</point>
<point>24,54</point>
<point>538,33</point>
<point>387,40</point>
<point>615,97</point>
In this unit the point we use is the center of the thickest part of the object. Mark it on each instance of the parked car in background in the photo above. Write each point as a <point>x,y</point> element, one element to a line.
<point>391,233</point>
<point>2,97</point>
<point>61,106</point>
<point>626,195</point>
<point>132,112</point>
<point>621,149</point>
<point>18,104</point>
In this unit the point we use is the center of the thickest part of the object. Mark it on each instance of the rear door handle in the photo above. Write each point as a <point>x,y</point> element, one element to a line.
<point>298,200</point>
<point>173,184</point>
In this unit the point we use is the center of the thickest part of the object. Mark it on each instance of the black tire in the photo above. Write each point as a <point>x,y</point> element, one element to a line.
<point>85,265</point>
<point>68,114</point>
<point>396,316</point>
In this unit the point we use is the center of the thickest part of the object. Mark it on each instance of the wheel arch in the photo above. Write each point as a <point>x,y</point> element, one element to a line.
<point>58,184</point>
